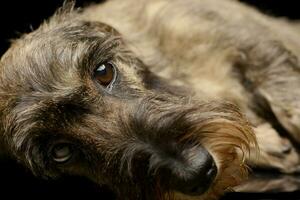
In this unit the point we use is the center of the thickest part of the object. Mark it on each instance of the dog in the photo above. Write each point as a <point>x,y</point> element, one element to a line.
<point>155,99</point>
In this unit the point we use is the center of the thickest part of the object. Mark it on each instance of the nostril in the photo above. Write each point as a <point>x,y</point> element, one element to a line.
<point>212,172</point>
<point>208,164</point>
<point>212,169</point>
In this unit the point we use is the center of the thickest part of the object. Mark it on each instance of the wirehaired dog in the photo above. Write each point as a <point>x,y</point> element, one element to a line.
<point>156,99</point>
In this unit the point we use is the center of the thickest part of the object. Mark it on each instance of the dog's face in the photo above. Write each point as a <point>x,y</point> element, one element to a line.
<point>75,101</point>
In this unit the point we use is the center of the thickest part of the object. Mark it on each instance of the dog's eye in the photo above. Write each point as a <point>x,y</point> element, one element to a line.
<point>61,153</point>
<point>105,74</point>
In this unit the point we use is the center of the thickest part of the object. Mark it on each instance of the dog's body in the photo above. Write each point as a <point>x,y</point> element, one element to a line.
<point>182,72</point>
<point>234,54</point>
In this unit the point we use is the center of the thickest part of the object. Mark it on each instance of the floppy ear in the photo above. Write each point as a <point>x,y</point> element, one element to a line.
<point>272,72</point>
<point>281,90</point>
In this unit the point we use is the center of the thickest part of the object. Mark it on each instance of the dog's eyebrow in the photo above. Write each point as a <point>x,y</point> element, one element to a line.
<point>96,51</point>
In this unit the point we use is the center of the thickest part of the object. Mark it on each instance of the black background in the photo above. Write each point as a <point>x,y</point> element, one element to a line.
<point>19,16</point>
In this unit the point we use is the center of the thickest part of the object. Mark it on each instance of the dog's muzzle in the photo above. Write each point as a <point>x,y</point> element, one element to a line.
<point>190,171</point>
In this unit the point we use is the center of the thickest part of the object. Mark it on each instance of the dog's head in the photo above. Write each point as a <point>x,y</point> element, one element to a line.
<point>74,100</point>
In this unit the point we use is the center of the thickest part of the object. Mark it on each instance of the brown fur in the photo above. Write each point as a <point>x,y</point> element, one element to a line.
<point>187,70</point>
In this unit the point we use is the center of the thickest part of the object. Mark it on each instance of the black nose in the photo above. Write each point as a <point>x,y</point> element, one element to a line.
<point>193,174</point>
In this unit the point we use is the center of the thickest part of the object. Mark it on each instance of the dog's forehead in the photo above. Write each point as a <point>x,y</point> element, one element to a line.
<point>50,37</point>
<point>51,53</point>
<point>75,30</point>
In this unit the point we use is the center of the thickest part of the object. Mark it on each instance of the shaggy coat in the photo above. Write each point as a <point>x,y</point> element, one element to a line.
<point>190,79</point>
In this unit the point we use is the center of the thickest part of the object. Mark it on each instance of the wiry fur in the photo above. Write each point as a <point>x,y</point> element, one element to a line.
<point>187,70</point>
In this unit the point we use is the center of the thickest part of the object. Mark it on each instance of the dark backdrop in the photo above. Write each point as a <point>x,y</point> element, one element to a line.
<point>19,16</point>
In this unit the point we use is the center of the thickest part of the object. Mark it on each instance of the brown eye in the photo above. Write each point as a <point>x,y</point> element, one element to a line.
<point>62,152</point>
<point>105,74</point>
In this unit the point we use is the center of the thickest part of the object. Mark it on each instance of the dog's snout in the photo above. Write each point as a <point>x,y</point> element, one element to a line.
<point>196,175</point>
<point>191,172</point>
